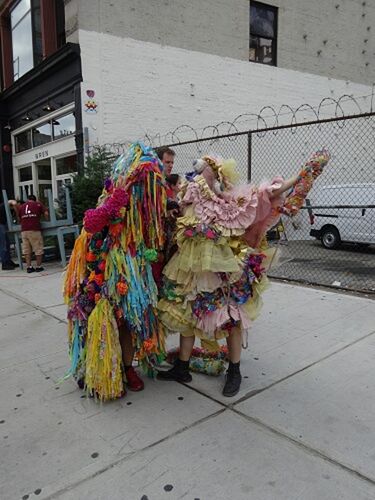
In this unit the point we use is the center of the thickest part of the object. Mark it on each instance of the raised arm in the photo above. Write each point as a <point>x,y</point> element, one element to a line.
<point>286,185</point>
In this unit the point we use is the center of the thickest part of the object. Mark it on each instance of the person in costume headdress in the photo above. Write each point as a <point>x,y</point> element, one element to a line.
<point>213,283</point>
<point>109,287</point>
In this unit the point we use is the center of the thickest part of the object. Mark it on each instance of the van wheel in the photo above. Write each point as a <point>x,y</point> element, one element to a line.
<point>330,237</point>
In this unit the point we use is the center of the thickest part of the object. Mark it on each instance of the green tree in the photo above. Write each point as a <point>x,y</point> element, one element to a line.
<point>88,184</point>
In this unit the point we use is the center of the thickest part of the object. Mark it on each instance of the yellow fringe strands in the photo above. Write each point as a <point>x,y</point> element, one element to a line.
<point>76,269</point>
<point>103,359</point>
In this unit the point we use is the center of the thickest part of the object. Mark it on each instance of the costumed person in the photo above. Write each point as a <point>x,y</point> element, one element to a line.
<point>213,283</point>
<point>172,183</point>
<point>109,286</point>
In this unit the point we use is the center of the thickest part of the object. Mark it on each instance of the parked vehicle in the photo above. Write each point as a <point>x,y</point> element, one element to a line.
<point>354,224</point>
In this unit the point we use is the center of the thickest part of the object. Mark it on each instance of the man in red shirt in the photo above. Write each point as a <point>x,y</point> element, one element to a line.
<point>29,215</point>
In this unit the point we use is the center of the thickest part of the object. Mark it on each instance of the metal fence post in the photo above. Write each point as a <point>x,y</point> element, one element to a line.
<point>249,144</point>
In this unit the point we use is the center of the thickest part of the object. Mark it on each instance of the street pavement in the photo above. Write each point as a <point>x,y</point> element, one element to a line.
<point>301,428</point>
<point>349,266</point>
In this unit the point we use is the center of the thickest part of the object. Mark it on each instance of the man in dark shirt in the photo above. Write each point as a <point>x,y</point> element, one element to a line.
<point>29,215</point>
<point>6,262</point>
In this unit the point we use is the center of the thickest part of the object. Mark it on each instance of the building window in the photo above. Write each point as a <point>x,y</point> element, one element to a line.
<point>60,23</point>
<point>42,134</point>
<point>57,128</point>
<point>44,169</point>
<point>25,174</point>
<point>26,36</point>
<point>66,165</point>
<point>64,126</point>
<point>263,33</point>
<point>23,141</point>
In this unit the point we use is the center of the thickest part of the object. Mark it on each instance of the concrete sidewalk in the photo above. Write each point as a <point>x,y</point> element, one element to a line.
<point>302,427</point>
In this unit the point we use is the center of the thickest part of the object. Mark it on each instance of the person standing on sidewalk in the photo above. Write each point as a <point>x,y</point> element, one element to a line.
<point>166,156</point>
<point>214,281</point>
<point>109,286</point>
<point>29,214</point>
<point>7,263</point>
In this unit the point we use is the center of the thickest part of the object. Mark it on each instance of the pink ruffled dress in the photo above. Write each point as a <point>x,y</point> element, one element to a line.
<point>214,281</point>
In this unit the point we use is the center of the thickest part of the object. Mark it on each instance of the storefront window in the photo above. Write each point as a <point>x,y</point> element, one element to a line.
<point>44,169</point>
<point>25,174</point>
<point>43,188</point>
<point>42,134</point>
<point>24,190</point>
<point>66,165</point>
<point>64,126</point>
<point>23,141</point>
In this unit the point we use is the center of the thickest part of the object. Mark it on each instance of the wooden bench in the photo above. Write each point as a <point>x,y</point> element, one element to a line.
<point>53,227</point>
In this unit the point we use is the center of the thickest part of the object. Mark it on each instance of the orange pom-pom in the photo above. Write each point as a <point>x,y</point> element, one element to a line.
<point>90,257</point>
<point>99,278</point>
<point>122,288</point>
<point>115,229</point>
<point>148,345</point>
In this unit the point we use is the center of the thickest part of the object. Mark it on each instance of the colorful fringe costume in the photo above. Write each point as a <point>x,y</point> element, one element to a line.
<point>214,282</point>
<point>109,280</point>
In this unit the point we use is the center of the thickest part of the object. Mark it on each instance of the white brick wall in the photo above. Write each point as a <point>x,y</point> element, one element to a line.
<point>325,37</point>
<point>142,87</point>
<point>213,26</point>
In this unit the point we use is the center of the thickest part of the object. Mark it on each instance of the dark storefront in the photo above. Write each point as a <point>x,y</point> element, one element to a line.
<point>40,109</point>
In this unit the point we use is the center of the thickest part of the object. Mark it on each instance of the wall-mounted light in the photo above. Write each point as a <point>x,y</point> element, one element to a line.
<point>26,118</point>
<point>48,107</point>
<point>52,105</point>
<point>8,126</point>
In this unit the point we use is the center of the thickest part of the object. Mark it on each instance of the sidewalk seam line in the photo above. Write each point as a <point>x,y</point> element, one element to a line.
<point>35,306</point>
<point>305,447</point>
<point>124,458</point>
<point>255,392</point>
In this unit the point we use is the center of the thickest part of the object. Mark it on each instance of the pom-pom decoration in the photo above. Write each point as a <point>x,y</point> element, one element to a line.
<point>306,177</point>
<point>203,360</point>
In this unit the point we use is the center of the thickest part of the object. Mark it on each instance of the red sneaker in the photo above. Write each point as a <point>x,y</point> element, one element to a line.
<point>133,382</point>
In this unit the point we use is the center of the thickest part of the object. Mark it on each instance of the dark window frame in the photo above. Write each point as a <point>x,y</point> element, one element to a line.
<point>37,57</point>
<point>54,138</point>
<point>60,23</point>
<point>33,134</point>
<point>273,39</point>
<point>57,118</point>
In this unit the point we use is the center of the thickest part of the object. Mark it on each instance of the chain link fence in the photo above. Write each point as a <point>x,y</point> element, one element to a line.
<point>331,241</point>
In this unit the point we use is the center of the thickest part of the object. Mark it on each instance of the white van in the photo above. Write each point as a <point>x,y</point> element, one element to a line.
<point>334,225</point>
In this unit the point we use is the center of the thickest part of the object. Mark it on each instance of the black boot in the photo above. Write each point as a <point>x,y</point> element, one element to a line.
<point>232,380</point>
<point>179,372</point>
